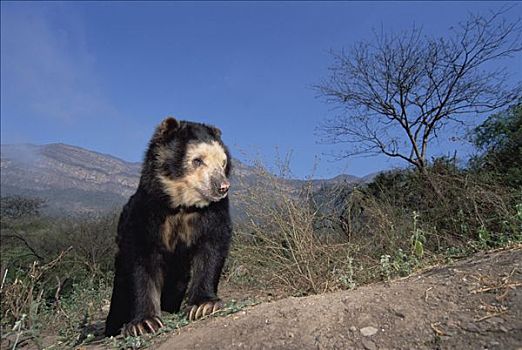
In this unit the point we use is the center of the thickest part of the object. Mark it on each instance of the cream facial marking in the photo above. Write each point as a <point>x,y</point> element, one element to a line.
<point>181,194</point>
<point>212,154</point>
<point>202,163</point>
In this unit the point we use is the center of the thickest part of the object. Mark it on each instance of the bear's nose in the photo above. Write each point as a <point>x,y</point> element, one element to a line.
<point>225,185</point>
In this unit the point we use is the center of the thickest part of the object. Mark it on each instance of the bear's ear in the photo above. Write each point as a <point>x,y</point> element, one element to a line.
<point>216,131</point>
<point>167,128</point>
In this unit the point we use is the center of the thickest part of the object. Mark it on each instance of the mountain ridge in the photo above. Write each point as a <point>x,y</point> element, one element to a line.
<point>73,179</point>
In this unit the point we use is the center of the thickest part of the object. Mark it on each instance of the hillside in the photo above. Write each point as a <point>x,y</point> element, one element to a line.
<point>472,304</point>
<point>71,179</point>
<point>74,180</point>
<point>475,303</point>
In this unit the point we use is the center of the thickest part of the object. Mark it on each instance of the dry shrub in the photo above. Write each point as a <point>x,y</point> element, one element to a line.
<point>467,205</point>
<point>24,295</point>
<point>56,276</point>
<point>377,226</point>
<point>318,238</point>
<point>24,300</point>
<point>277,240</point>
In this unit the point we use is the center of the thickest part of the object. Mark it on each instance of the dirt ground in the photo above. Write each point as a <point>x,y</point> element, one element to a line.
<point>475,303</point>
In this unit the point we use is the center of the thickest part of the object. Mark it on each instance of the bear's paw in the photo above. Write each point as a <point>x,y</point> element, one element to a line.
<point>142,327</point>
<point>207,308</point>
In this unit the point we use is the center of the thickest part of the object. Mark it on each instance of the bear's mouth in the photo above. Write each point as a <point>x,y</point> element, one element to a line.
<point>218,197</point>
<point>211,196</point>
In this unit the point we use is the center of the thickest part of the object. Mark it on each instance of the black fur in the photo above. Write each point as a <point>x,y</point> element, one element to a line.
<point>150,278</point>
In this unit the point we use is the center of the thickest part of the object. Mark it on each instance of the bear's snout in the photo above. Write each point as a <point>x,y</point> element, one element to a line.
<point>220,185</point>
<point>225,185</point>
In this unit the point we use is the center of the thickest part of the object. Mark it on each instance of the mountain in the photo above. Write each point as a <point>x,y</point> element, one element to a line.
<point>69,178</point>
<point>74,180</point>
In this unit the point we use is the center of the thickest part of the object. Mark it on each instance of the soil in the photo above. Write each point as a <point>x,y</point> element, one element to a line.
<point>474,303</point>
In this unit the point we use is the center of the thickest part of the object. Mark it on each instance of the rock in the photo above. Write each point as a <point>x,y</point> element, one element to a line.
<point>397,311</point>
<point>353,329</point>
<point>472,327</point>
<point>368,331</point>
<point>368,344</point>
<point>495,320</point>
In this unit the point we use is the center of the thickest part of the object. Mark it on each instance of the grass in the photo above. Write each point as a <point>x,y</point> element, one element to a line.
<point>173,322</point>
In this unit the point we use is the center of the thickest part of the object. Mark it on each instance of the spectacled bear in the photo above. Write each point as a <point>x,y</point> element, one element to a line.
<point>174,230</point>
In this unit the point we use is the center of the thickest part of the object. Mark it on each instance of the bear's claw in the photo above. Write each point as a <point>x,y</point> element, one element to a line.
<point>147,325</point>
<point>199,311</point>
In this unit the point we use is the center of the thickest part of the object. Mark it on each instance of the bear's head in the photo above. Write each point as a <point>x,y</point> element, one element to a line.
<point>191,162</point>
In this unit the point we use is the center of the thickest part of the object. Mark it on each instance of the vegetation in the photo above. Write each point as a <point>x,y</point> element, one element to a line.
<point>499,139</point>
<point>387,228</point>
<point>56,274</point>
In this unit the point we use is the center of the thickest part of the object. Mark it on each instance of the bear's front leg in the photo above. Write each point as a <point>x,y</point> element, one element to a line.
<point>207,263</point>
<point>146,310</point>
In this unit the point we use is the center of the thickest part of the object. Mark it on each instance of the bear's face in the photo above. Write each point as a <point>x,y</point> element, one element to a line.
<point>193,163</point>
<point>205,164</point>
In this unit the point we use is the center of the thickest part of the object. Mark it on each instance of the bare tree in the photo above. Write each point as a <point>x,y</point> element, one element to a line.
<point>398,92</point>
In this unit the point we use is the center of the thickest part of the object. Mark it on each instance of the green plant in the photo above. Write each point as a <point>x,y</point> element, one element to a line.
<point>385,267</point>
<point>347,275</point>
<point>417,239</point>
<point>484,238</point>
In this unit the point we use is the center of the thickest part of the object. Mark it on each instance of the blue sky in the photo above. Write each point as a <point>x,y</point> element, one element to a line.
<point>101,75</point>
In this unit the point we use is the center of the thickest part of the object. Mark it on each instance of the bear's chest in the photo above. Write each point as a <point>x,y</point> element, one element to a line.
<point>179,227</point>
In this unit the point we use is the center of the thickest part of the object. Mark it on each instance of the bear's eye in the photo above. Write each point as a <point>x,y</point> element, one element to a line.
<point>197,162</point>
